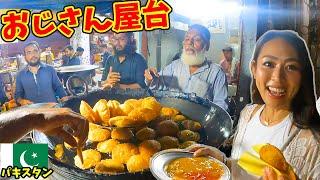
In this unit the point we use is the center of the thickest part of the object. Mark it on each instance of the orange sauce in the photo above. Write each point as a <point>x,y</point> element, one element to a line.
<point>197,168</point>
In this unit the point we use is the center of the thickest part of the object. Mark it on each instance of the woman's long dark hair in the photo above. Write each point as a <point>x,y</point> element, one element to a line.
<point>303,106</point>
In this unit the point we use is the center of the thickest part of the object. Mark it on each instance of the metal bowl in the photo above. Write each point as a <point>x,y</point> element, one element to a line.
<point>161,159</point>
<point>216,122</point>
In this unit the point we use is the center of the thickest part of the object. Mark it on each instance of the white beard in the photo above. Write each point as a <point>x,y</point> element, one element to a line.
<point>193,60</point>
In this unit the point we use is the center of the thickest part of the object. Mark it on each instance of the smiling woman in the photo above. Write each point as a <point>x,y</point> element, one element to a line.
<point>283,112</point>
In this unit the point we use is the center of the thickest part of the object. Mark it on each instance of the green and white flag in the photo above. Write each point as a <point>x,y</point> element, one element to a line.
<point>24,155</point>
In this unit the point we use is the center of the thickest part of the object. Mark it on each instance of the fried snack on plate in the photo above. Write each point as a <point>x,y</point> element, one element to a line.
<point>122,152</point>
<point>187,135</point>
<point>145,134</point>
<point>186,144</point>
<point>90,159</point>
<point>114,107</point>
<point>122,134</point>
<point>167,128</point>
<point>169,112</point>
<point>148,148</point>
<point>58,151</point>
<point>179,118</point>
<point>137,163</point>
<point>107,146</point>
<point>101,108</point>
<point>191,125</point>
<point>109,166</point>
<point>168,142</point>
<point>124,121</point>
<point>273,156</point>
<point>98,135</point>
<point>87,112</point>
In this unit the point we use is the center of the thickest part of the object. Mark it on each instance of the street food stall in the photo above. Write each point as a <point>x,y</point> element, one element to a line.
<point>147,133</point>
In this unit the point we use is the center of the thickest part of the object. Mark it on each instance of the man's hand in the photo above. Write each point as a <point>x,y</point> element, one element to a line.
<point>113,78</point>
<point>24,102</point>
<point>148,74</point>
<point>55,121</point>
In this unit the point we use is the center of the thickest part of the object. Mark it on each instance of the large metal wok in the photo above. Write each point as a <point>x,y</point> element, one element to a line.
<point>216,122</point>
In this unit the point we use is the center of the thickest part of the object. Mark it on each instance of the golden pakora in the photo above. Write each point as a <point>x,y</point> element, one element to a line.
<point>124,121</point>
<point>122,152</point>
<point>129,105</point>
<point>151,103</point>
<point>90,159</point>
<point>137,163</point>
<point>87,112</point>
<point>107,146</point>
<point>179,118</point>
<point>149,147</point>
<point>109,166</point>
<point>145,134</point>
<point>114,107</point>
<point>122,134</point>
<point>187,135</point>
<point>93,126</point>
<point>142,114</point>
<point>98,135</point>
<point>186,144</point>
<point>169,112</point>
<point>168,142</point>
<point>191,125</point>
<point>59,151</point>
<point>273,156</point>
<point>101,108</point>
<point>167,128</point>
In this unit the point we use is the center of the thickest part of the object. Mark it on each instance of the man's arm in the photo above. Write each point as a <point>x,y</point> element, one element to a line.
<point>106,69</point>
<point>164,79</point>
<point>57,85</point>
<point>19,92</point>
<point>220,90</point>
<point>15,124</point>
<point>141,67</point>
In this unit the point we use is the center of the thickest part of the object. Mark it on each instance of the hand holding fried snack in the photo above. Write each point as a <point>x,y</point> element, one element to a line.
<point>273,156</point>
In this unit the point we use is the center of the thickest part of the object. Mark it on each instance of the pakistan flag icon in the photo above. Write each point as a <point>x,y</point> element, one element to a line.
<point>29,155</point>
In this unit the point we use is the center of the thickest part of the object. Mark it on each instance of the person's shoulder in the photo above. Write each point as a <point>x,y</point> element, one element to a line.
<point>138,56</point>
<point>48,67</point>
<point>176,63</point>
<point>214,66</point>
<point>310,134</point>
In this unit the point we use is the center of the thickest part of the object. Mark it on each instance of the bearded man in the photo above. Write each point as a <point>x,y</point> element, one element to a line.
<point>125,69</point>
<point>193,73</point>
<point>37,82</point>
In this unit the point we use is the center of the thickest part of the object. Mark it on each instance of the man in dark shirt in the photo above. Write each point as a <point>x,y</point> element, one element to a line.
<point>71,57</point>
<point>126,68</point>
<point>37,82</point>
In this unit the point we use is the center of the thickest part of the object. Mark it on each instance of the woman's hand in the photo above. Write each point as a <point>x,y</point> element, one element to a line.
<point>270,174</point>
<point>203,150</point>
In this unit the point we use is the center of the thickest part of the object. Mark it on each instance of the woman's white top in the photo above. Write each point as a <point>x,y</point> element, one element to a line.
<point>257,133</point>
